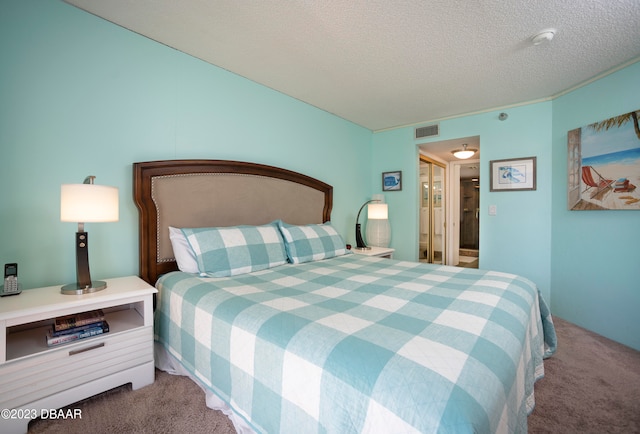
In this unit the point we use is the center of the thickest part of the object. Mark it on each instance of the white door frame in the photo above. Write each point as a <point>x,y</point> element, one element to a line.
<point>453,210</point>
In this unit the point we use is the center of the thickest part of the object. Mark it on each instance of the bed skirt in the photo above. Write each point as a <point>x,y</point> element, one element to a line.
<point>167,363</point>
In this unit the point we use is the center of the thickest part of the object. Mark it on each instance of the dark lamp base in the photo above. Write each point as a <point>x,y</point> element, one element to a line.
<point>362,248</point>
<point>77,289</point>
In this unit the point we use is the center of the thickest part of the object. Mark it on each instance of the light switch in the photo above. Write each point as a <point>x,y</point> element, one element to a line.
<point>493,210</point>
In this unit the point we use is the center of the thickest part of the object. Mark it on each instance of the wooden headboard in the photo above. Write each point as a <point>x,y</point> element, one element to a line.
<point>213,193</point>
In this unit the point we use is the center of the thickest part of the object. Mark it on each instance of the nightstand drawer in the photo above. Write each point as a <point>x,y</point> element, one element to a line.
<point>74,364</point>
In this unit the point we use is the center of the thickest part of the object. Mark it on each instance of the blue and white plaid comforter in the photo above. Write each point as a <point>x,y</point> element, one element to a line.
<point>357,344</point>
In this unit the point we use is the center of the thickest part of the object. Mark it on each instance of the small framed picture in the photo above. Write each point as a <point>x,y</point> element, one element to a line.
<point>515,174</point>
<point>392,181</point>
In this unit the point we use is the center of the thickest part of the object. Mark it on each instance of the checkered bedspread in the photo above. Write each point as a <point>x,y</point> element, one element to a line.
<point>357,344</point>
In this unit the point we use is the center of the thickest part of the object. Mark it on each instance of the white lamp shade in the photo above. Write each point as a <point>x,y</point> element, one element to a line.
<point>378,211</point>
<point>463,155</point>
<point>378,227</point>
<point>88,203</point>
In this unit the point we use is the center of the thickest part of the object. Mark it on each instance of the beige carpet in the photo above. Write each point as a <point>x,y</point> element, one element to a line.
<point>173,404</point>
<point>592,385</point>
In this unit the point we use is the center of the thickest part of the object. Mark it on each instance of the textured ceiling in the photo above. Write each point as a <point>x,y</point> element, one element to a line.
<point>383,64</point>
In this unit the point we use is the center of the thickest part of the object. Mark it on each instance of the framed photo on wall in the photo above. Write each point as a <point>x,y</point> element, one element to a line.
<point>604,164</point>
<point>515,174</point>
<point>392,181</point>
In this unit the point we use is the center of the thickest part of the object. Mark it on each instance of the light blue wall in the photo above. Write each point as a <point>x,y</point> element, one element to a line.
<point>516,240</point>
<point>585,263</point>
<point>81,96</point>
<point>596,254</point>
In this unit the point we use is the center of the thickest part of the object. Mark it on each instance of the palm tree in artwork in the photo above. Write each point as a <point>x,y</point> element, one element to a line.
<point>618,121</point>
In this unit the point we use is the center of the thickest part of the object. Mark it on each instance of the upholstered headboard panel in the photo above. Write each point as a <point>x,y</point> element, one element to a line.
<point>208,193</point>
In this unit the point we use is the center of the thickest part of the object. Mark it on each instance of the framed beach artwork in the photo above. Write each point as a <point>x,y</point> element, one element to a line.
<point>604,164</point>
<point>514,174</point>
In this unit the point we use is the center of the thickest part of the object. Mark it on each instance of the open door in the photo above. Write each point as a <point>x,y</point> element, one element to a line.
<point>442,205</point>
<point>432,245</point>
<point>464,207</point>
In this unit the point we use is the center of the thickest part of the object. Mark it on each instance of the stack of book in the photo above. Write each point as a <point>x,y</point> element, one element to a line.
<point>71,328</point>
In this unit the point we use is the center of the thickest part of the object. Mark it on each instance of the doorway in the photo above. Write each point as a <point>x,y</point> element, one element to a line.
<point>469,221</point>
<point>432,245</point>
<point>460,240</point>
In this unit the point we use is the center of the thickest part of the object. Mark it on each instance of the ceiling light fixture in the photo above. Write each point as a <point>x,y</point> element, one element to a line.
<point>464,153</point>
<point>543,36</point>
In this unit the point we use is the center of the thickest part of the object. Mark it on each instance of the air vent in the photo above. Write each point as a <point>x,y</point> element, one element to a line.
<point>428,131</point>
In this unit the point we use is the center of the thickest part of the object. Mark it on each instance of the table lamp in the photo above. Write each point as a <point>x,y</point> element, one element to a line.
<point>378,227</point>
<point>85,203</point>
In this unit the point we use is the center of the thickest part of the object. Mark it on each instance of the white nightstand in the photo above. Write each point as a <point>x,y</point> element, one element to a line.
<point>383,252</point>
<point>36,377</point>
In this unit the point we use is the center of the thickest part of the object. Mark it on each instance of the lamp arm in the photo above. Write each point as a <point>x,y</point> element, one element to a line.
<point>359,241</point>
<point>362,207</point>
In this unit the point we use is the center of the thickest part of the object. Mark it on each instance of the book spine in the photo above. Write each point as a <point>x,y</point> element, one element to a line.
<point>94,331</point>
<point>77,329</point>
<point>71,321</point>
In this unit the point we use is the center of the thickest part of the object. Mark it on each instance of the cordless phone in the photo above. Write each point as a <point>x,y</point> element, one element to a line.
<point>11,285</point>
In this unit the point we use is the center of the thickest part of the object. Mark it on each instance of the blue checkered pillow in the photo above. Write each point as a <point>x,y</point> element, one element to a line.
<point>311,242</point>
<point>228,251</point>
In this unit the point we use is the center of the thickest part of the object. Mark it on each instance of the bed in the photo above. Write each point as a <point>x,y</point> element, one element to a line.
<point>286,330</point>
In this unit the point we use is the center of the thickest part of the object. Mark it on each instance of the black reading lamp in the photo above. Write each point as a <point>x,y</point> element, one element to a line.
<point>360,245</point>
<point>84,203</point>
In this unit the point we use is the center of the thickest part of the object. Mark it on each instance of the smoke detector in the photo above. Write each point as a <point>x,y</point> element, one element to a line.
<point>543,37</point>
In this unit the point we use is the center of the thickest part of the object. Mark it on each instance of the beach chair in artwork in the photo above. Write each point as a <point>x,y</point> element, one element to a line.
<point>599,186</point>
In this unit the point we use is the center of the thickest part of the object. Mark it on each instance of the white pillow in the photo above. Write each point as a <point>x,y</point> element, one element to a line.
<point>184,254</point>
